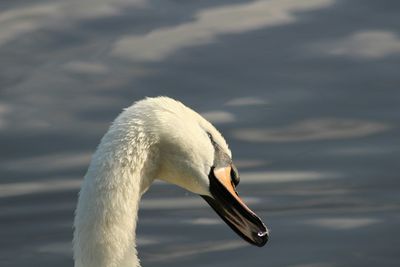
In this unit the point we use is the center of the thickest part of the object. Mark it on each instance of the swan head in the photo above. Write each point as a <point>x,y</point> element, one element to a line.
<point>193,155</point>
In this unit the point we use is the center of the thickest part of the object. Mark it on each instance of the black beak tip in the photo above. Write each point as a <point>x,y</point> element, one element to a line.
<point>261,238</point>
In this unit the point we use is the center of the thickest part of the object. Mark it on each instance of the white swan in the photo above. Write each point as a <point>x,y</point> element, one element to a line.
<point>154,138</point>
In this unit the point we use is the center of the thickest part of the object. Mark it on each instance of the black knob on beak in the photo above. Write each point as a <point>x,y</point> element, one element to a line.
<point>235,175</point>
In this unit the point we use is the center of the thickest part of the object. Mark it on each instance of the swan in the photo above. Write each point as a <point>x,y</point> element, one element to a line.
<point>155,138</point>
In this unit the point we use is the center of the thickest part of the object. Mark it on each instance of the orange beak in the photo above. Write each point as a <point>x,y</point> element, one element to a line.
<point>231,208</point>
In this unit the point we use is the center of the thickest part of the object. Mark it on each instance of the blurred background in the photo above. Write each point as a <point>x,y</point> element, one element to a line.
<point>306,92</point>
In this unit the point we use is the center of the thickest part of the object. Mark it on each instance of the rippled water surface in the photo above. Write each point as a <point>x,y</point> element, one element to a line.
<point>305,91</point>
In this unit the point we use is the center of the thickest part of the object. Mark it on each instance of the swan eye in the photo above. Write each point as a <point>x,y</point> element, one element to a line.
<point>235,175</point>
<point>211,138</point>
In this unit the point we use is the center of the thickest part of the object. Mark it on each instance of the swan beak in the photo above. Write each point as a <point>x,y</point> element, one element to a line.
<point>231,208</point>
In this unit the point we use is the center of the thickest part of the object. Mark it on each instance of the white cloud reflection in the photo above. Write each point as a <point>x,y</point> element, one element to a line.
<point>218,116</point>
<point>63,184</point>
<point>188,250</point>
<point>55,185</point>
<point>249,163</point>
<point>352,151</point>
<point>4,110</point>
<point>314,264</point>
<point>313,129</point>
<point>343,223</point>
<point>82,67</point>
<point>372,44</point>
<point>18,21</point>
<point>46,163</point>
<point>59,248</point>
<point>283,176</point>
<point>210,24</point>
<point>245,101</point>
<point>204,221</point>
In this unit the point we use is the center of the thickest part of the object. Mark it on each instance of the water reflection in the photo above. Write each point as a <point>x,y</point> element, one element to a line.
<point>24,19</point>
<point>245,101</point>
<point>4,109</point>
<point>373,44</point>
<point>305,92</point>
<point>217,116</point>
<point>24,188</point>
<point>210,24</point>
<point>283,176</point>
<point>62,248</point>
<point>48,163</point>
<point>86,68</point>
<point>249,163</point>
<point>316,129</point>
<point>314,264</point>
<point>343,223</point>
<point>179,252</point>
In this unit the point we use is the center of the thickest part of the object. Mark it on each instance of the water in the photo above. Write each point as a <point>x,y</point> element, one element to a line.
<point>306,93</point>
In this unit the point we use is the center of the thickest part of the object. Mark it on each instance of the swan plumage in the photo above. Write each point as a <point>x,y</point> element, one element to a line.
<point>154,138</point>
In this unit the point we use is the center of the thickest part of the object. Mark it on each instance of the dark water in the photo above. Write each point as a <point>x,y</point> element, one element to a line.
<point>306,93</point>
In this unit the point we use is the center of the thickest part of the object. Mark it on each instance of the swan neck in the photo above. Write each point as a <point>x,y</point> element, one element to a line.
<point>121,170</point>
